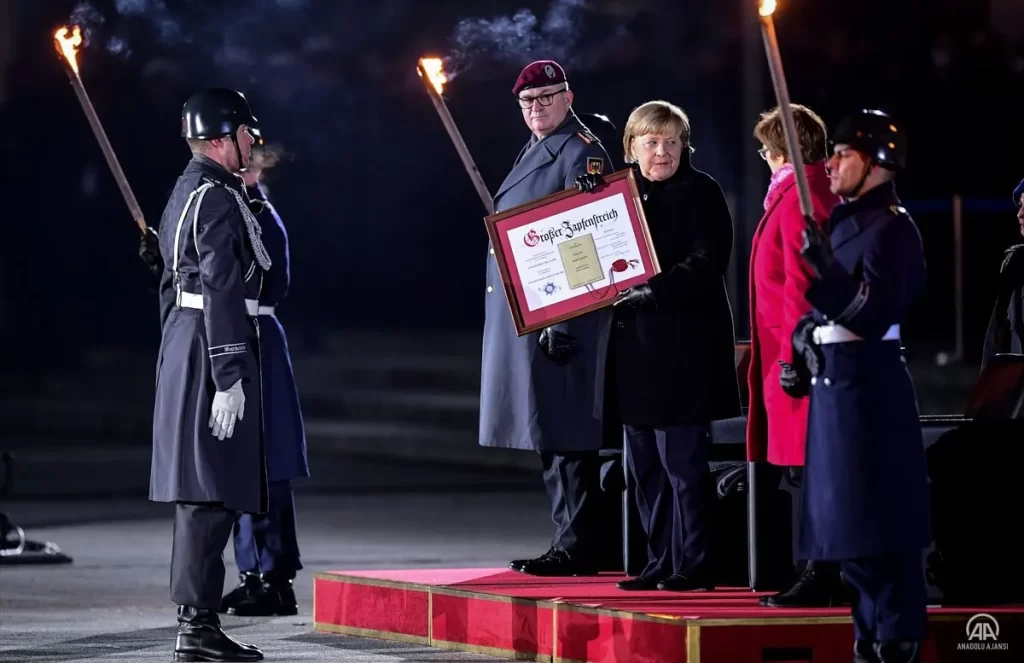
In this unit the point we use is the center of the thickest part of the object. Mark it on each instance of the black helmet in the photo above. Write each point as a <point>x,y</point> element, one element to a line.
<point>876,134</point>
<point>215,113</point>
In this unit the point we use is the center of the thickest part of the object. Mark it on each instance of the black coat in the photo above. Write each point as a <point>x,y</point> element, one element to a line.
<point>1006,325</point>
<point>206,350</point>
<point>674,360</point>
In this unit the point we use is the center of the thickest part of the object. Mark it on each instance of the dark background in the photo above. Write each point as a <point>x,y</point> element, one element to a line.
<point>372,173</point>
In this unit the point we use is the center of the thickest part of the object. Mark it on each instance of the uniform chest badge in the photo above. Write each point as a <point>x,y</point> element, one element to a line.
<point>595,165</point>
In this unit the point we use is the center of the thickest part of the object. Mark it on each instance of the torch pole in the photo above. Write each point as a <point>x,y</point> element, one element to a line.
<point>771,47</point>
<point>460,144</point>
<point>108,151</point>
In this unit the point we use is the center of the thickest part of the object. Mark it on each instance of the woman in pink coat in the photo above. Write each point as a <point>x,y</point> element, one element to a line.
<point>779,277</point>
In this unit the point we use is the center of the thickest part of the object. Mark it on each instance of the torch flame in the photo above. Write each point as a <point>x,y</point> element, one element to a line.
<point>68,46</point>
<point>434,69</point>
<point>767,7</point>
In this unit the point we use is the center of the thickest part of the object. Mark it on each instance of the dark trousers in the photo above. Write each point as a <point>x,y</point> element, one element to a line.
<point>201,532</point>
<point>573,484</point>
<point>268,543</point>
<point>795,478</point>
<point>671,485</point>
<point>891,597</point>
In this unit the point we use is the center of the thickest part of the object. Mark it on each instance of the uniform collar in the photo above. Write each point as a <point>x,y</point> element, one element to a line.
<point>883,195</point>
<point>213,170</point>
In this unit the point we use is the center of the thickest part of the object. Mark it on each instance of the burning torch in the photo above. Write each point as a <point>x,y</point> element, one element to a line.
<point>67,46</point>
<point>771,47</point>
<point>431,70</point>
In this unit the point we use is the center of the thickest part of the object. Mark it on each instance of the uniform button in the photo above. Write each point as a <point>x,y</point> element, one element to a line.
<point>490,288</point>
<point>828,383</point>
<point>814,381</point>
<point>492,250</point>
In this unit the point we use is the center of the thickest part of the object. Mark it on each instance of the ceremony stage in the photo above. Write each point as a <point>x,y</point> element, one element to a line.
<point>503,613</point>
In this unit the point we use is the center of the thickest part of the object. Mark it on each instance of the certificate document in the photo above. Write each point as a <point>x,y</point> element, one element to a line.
<point>573,252</point>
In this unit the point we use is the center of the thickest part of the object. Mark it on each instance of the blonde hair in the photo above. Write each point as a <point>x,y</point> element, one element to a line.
<point>655,117</point>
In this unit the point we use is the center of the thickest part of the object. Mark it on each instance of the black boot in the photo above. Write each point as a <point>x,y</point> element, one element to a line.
<point>819,586</point>
<point>200,638</point>
<point>275,596</point>
<point>864,652</point>
<point>248,584</point>
<point>892,651</point>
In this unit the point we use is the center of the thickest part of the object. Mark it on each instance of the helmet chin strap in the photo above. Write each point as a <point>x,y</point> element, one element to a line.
<point>238,151</point>
<point>863,178</point>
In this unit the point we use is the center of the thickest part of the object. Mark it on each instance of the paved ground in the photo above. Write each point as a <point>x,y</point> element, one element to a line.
<point>111,604</point>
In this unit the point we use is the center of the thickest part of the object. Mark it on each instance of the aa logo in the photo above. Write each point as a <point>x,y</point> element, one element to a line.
<point>982,627</point>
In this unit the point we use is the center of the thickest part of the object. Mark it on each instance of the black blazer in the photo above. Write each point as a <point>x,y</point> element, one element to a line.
<point>674,359</point>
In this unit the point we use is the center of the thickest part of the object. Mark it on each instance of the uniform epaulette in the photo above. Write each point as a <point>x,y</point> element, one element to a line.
<point>898,210</point>
<point>587,137</point>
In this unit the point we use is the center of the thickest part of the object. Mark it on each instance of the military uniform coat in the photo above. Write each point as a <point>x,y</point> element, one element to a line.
<point>865,477</point>
<point>675,358</point>
<point>526,400</point>
<point>779,276</point>
<point>1006,324</point>
<point>208,350</point>
<point>285,433</point>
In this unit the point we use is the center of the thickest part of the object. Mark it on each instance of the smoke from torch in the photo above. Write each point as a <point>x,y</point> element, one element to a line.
<point>431,70</point>
<point>68,48</point>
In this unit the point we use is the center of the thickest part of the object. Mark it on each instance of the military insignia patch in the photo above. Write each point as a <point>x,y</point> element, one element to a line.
<point>587,137</point>
<point>595,165</point>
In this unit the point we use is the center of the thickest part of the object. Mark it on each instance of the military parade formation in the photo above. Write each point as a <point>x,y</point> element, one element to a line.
<point>831,398</point>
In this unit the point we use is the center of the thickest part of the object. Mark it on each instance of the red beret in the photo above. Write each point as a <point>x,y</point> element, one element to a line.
<point>539,74</point>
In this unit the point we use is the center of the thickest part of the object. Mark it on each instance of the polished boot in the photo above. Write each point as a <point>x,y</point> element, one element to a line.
<point>692,583</point>
<point>641,583</point>
<point>200,638</point>
<point>518,564</point>
<point>819,586</point>
<point>892,651</point>
<point>249,583</point>
<point>864,652</point>
<point>275,597</point>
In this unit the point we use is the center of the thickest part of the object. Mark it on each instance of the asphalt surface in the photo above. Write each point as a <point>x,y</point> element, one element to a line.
<point>111,603</point>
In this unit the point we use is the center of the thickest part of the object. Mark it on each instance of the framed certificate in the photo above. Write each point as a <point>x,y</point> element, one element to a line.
<point>572,252</point>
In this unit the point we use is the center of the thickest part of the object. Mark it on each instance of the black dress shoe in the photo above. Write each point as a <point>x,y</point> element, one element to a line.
<point>518,564</point>
<point>817,587</point>
<point>275,597</point>
<point>864,652</point>
<point>200,638</point>
<point>559,564</point>
<point>892,651</point>
<point>640,583</point>
<point>249,583</point>
<point>680,583</point>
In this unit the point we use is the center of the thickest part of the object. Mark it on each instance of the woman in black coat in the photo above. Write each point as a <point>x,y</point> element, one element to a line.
<point>671,349</point>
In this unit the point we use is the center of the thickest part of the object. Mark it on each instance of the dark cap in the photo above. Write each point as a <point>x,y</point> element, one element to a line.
<point>539,74</point>
<point>1017,193</point>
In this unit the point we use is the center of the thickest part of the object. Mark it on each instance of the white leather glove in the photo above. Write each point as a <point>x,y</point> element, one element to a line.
<point>228,407</point>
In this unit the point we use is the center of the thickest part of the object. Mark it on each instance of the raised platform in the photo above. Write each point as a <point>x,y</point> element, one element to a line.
<point>507,614</point>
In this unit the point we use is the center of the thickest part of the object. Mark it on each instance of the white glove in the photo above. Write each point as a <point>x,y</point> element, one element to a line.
<point>228,407</point>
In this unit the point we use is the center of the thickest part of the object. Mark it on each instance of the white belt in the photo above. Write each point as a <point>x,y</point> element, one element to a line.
<point>192,300</point>
<point>833,333</point>
<point>266,310</point>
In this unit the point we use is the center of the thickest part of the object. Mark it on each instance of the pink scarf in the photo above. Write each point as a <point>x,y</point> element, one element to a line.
<point>778,178</point>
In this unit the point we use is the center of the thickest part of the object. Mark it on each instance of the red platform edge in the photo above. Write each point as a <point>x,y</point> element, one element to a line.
<point>518,617</point>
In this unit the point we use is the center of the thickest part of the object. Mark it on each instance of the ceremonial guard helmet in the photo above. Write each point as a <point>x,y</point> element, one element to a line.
<point>878,135</point>
<point>215,113</point>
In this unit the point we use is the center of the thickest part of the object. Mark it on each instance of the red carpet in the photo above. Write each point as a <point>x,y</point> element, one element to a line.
<point>504,613</point>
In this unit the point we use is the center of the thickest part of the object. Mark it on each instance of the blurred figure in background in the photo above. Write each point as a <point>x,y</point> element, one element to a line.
<point>779,277</point>
<point>1006,326</point>
<point>266,545</point>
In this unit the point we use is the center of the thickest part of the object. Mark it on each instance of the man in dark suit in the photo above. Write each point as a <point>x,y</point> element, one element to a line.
<point>866,501</point>
<point>207,421</point>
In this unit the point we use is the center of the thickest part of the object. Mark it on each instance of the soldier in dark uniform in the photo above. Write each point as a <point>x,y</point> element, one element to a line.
<point>266,546</point>
<point>537,391</point>
<point>1006,326</point>
<point>207,419</point>
<point>866,502</point>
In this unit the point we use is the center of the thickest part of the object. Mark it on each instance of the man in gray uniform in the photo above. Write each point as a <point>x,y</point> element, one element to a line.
<point>538,390</point>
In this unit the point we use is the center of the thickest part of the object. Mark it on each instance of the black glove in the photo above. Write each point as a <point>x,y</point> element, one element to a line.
<point>638,297</point>
<point>149,251</point>
<point>795,380</point>
<point>817,249</point>
<point>587,182</point>
<point>558,346</point>
<point>805,348</point>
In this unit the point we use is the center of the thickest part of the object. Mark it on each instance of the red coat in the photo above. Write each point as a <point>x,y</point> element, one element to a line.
<point>777,422</point>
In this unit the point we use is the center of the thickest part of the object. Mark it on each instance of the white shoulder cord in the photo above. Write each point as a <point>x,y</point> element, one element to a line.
<point>201,191</point>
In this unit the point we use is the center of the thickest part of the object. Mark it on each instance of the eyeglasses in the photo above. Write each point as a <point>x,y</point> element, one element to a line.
<point>764,153</point>
<point>544,100</point>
